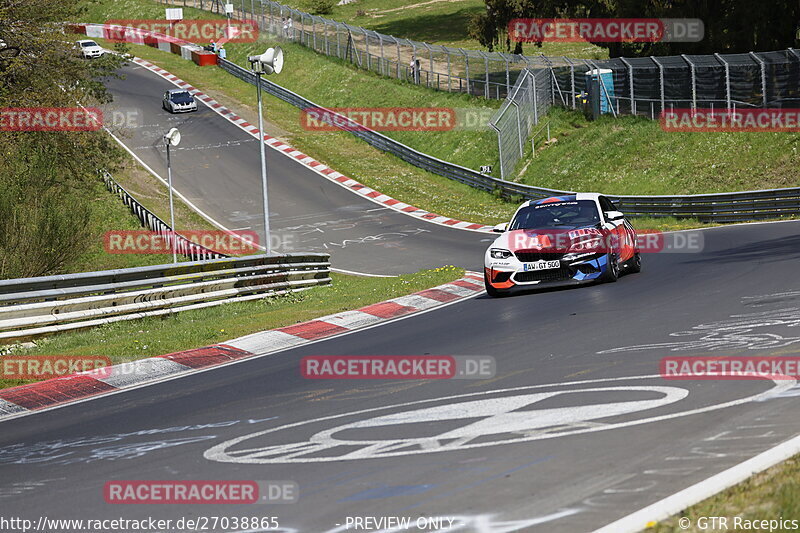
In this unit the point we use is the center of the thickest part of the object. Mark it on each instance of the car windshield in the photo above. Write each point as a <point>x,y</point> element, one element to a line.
<point>88,43</point>
<point>181,98</point>
<point>571,214</point>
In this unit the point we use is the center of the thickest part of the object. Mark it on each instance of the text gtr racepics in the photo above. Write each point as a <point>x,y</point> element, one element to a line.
<point>561,240</point>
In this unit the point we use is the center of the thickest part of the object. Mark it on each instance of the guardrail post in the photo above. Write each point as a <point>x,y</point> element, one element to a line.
<point>763,77</point>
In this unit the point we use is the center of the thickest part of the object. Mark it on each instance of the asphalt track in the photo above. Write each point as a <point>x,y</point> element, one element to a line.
<point>608,437</point>
<point>217,167</point>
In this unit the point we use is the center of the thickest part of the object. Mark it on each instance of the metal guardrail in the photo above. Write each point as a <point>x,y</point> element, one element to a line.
<point>148,219</point>
<point>722,207</point>
<point>31,307</point>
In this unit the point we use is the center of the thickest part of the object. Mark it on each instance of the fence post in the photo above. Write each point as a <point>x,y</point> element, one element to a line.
<point>571,79</point>
<point>630,84</point>
<point>532,81</point>
<point>466,64</point>
<point>366,40</point>
<point>661,81</point>
<point>519,129</point>
<point>383,59</point>
<point>398,56</point>
<point>448,71</point>
<point>763,77</point>
<point>508,77</point>
<point>499,150</point>
<point>694,80</point>
<point>727,79</point>
<point>430,54</point>
<point>486,80</point>
<point>338,43</point>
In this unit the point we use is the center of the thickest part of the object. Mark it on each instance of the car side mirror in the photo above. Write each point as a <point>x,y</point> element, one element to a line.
<point>613,216</point>
<point>500,228</point>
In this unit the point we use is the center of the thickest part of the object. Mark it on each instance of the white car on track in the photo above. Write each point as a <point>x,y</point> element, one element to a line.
<point>89,49</point>
<point>179,101</point>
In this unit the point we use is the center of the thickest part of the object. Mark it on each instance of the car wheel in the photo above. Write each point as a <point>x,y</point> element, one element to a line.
<point>491,291</point>
<point>634,264</point>
<point>612,269</point>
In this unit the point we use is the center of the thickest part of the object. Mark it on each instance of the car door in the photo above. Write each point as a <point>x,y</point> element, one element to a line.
<point>624,234</point>
<point>166,102</point>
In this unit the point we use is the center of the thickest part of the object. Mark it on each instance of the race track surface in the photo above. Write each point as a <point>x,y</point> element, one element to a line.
<point>217,167</point>
<point>513,460</point>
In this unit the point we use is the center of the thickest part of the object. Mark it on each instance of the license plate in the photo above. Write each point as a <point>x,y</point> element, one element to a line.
<point>541,265</point>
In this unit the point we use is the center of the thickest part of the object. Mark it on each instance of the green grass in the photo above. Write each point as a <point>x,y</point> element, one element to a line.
<point>442,22</point>
<point>339,150</point>
<point>616,156</point>
<point>632,155</point>
<point>148,337</point>
<point>770,495</point>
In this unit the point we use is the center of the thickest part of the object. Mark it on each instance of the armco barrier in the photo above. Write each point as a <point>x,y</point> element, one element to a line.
<point>30,307</point>
<point>151,221</point>
<point>722,207</point>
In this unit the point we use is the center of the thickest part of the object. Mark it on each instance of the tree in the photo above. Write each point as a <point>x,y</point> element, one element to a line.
<point>44,207</point>
<point>731,26</point>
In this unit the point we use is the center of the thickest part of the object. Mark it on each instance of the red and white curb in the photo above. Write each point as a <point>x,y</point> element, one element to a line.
<point>17,401</point>
<point>320,168</point>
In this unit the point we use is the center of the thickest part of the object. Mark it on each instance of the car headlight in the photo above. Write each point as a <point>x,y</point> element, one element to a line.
<point>499,253</point>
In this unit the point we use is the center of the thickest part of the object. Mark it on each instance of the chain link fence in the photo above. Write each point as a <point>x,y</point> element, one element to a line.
<point>643,86</point>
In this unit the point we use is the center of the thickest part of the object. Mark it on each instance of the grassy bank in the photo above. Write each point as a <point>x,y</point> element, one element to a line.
<point>131,340</point>
<point>443,22</point>
<point>770,495</point>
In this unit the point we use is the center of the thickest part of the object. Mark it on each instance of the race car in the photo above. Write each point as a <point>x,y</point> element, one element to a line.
<point>562,240</point>
<point>178,101</point>
<point>89,49</point>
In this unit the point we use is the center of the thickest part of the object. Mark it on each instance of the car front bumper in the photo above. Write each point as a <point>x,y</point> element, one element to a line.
<point>510,274</point>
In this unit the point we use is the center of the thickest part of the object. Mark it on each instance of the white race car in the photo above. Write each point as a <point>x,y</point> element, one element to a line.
<point>178,101</point>
<point>89,49</point>
<point>563,240</point>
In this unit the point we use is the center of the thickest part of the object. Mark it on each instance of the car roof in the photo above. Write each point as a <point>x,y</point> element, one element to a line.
<point>566,198</point>
<point>173,91</point>
<point>86,41</point>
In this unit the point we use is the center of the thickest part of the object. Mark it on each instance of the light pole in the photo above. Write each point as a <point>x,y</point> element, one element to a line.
<point>266,63</point>
<point>172,138</point>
